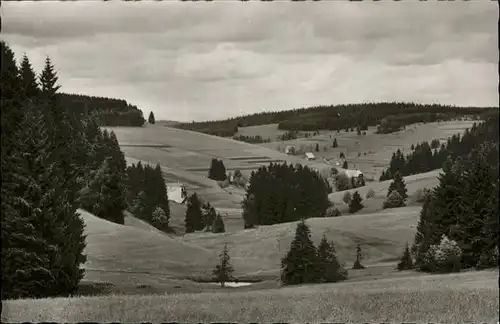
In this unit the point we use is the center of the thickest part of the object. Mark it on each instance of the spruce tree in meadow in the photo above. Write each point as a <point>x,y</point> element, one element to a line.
<point>300,265</point>
<point>356,203</point>
<point>223,271</point>
<point>329,268</point>
<point>151,118</point>
<point>218,225</point>
<point>398,184</point>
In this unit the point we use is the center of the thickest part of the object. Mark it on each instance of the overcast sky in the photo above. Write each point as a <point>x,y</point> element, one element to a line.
<point>196,61</point>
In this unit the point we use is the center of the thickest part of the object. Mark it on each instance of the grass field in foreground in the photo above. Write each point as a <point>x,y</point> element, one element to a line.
<point>458,298</point>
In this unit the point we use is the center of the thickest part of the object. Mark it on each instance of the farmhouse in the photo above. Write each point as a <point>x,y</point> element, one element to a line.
<point>310,156</point>
<point>176,192</point>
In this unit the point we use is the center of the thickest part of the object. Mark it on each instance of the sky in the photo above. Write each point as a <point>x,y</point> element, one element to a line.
<point>211,60</point>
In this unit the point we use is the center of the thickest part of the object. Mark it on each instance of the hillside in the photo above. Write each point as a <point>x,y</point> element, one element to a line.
<point>389,116</point>
<point>108,111</point>
<point>257,252</point>
<point>114,251</point>
<point>185,157</point>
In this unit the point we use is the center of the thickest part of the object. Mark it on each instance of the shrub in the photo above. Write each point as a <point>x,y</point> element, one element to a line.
<point>443,257</point>
<point>332,212</point>
<point>393,201</point>
<point>370,194</point>
<point>347,198</point>
<point>341,182</point>
<point>159,218</point>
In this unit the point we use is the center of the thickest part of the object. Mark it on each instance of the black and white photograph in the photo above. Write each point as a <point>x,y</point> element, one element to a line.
<point>250,161</point>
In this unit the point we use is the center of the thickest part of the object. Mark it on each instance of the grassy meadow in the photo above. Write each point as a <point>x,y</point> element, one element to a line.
<point>452,298</point>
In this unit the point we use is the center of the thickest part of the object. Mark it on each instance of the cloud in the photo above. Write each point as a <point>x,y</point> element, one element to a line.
<point>201,60</point>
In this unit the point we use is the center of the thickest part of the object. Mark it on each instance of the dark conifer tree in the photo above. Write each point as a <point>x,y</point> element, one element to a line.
<point>356,203</point>
<point>151,118</point>
<point>218,225</point>
<point>193,214</point>
<point>329,269</point>
<point>406,262</point>
<point>399,185</point>
<point>316,148</point>
<point>335,144</point>
<point>345,165</point>
<point>359,257</point>
<point>28,79</point>
<point>300,265</point>
<point>223,272</point>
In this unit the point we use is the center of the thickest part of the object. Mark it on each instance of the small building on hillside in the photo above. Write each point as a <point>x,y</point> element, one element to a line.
<point>310,156</point>
<point>290,150</point>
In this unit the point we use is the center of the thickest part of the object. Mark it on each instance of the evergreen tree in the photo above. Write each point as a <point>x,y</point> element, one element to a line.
<point>105,196</point>
<point>399,185</point>
<point>209,215</point>
<point>342,156</point>
<point>218,226</point>
<point>54,231</point>
<point>300,265</point>
<point>249,211</point>
<point>406,262</point>
<point>335,144</point>
<point>394,200</point>
<point>193,213</point>
<point>345,165</point>
<point>224,270</point>
<point>48,81</point>
<point>151,118</point>
<point>28,79</point>
<point>316,148</point>
<point>359,257</point>
<point>329,269</point>
<point>356,203</point>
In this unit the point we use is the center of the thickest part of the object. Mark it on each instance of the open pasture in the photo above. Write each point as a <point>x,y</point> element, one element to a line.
<point>121,249</point>
<point>257,252</point>
<point>378,147</point>
<point>451,298</point>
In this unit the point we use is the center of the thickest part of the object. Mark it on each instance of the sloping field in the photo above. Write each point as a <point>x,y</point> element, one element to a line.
<point>258,251</point>
<point>118,250</point>
<point>378,147</point>
<point>470,297</point>
<point>414,182</point>
<point>184,144</point>
<point>185,157</point>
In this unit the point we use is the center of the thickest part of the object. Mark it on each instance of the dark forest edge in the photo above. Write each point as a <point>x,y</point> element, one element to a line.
<point>106,111</point>
<point>387,116</point>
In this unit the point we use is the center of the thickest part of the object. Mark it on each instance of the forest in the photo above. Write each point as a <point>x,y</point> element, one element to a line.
<point>387,116</point>
<point>107,111</point>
